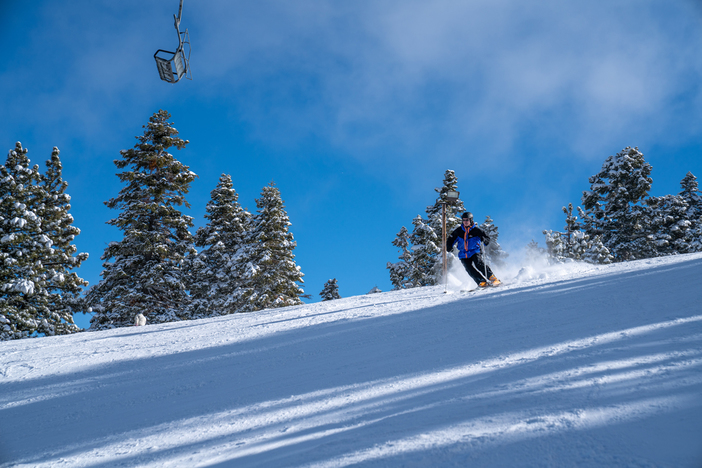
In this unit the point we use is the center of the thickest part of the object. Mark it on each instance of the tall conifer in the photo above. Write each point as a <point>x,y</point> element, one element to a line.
<point>64,286</point>
<point>212,281</point>
<point>143,271</point>
<point>266,262</point>
<point>615,205</point>
<point>37,292</point>
<point>400,271</point>
<point>424,268</point>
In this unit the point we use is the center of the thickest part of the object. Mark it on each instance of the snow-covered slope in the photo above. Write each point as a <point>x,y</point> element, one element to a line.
<point>582,366</point>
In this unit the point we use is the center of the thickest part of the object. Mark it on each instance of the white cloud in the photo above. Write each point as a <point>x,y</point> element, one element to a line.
<point>446,75</point>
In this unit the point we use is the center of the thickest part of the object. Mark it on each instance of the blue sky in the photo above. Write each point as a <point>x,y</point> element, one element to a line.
<point>356,109</point>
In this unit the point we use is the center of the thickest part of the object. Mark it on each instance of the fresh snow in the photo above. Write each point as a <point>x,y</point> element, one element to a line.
<point>579,365</point>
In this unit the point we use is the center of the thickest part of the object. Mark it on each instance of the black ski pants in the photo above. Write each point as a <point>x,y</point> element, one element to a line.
<point>476,268</point>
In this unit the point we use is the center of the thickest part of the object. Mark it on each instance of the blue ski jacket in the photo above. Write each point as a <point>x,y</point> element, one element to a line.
<point>468,240</point>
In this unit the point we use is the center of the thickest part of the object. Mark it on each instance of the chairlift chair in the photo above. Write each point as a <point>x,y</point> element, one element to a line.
<point>172,66</point>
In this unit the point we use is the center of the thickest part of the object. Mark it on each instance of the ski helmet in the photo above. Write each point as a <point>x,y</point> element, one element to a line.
<point>467,215</point>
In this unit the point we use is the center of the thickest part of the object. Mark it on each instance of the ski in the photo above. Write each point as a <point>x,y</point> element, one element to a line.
<point>482,289</point>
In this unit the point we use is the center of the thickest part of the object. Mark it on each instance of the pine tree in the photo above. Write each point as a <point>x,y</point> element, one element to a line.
<point>63,286</point>
<point>330,291</point>
<point>691,195</point>
<point>434,211</point>
<point>212,283</point>
<point>556,246</point>
<point>493,252</point>
<point>22,246</point>
<point>400,271</point>
<point>596,252</point>
<point>574,244</point>
<point>424,269</point>
<point>670,230</point>
<point>434,217</point>
<point>35,252</point>
<point>143,271</point>
<point>266,262</point>
<point>572,223</point>
<point>615,205</point>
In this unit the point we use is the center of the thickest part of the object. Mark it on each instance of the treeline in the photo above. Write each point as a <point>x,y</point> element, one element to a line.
<point>620,222</point>
<point>245,261</point>
<point>420,260</point>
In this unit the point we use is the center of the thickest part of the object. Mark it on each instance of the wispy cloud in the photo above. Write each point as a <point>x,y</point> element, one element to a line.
<point>443,76</point>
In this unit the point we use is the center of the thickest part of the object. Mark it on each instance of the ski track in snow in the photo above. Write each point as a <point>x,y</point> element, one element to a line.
<point>579,365</point>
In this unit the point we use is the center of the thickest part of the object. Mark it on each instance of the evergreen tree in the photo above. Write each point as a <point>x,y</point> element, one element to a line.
<point>670,230</point>
<point>691,195</point>
<point>35,253</point>
<point>421,264</point>
<point>574,245</point>
<point>212,283</point>
<point>143,271</point>
<point>596,252</point>
<point>434,217</point>
<point>424,268</point>
<point>63,286</point>
<point>22,247</point>
<point>556,246</point>
<point>266,262</point>
<point>434,212</point>
<point>572,223</point>
<point>400,271</point>
<point>330,291</point>
<point>615,205</point>
<point>493,252</point>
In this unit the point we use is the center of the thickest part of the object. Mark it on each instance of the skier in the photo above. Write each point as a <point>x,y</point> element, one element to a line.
<point>469,236</point>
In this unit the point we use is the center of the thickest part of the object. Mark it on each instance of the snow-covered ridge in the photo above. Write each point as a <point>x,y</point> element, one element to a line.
<point>577,364</point>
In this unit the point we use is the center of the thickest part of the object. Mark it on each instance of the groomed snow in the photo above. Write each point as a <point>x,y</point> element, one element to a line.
<point>575,366</point>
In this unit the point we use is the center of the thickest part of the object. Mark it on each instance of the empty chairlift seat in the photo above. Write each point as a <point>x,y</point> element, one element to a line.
<point>172,66</point>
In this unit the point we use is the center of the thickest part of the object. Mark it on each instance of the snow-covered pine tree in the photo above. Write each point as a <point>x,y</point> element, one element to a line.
<point>572,223</point>
<point>30,269</point>
<point>399,271</point>
<point>571,244</point>
<point>266,262</point>
<point>424,269</point>
<point>670,230</point>
<point>615,208</point>
<point>434,221</point>
<point>493,252</point>
<point>434,211</point>
<point>595,252</point>
<point>21,247</point>
<point>574,244</point>
<point>691,195</point>
<point>330,291</point>
<point>63,286</point>
<point>143,272</point>
<point>556,246</point>
<point>211,282</point>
